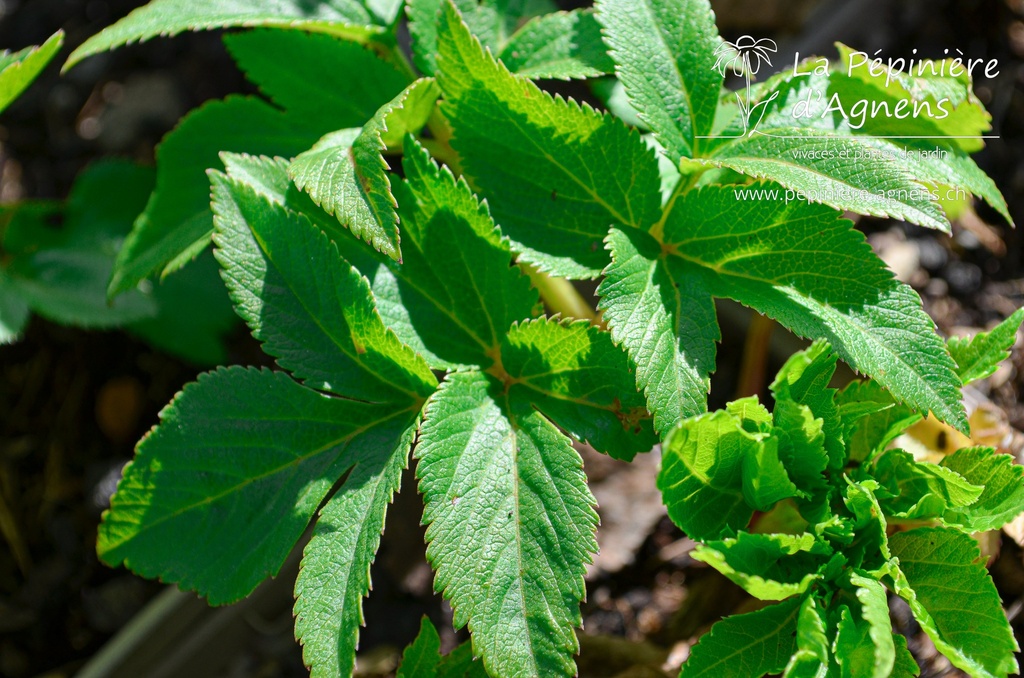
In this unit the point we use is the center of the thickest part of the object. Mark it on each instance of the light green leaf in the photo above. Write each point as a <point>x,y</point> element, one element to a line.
<point>177,223</point>
<point>420,659</point>
<point>560,45</point>
<point>869,525</point>
<point>701,478</point>
<point>749,645</point>
<point>19,69</point>
<point>811,659</point>
<point>311,310</point>
<point>767,566</point>
<point>346,174</point>
<point>765,481</point>
<point>666,51</point>
<point>462,264</point>
<point>326,82</point>
<point>871,418</point>
<point>804,380</point>
<point>864,645</point>
<point>1002,499</point>
<point>334,576</point>
<point>979,357</point>
<point>345,18</point>
<point>573,373</point>
<point>942,576</point>
<point>905,665</point>
<point>665,318</point>
<point>920,489</point>
<point>510,525</point>
<point>555,174</point>
<point>62,273</point>
<point>221,490</point>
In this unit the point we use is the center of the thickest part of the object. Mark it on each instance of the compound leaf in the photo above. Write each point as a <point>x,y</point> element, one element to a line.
<point>346,175</point>
<point>666,52</point>
<point>752,644</point>
<point>238,453</point>
<point>510,525</point>
<point>334,576</point>
<point>346,18</point>
<point>555,174</point>
<point>19,69</point>
<point>942,576</point>
<point>575,375</point>
<point>309,307</point>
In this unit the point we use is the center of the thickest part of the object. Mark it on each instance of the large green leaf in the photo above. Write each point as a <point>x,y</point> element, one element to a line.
<point>573,373</point>
<point>979,357</point>
<point>346,175</point>
<point>177,223</point>
<point>560,45</point>
<point>555,174</point>
<point>347,18</point>
<point>222,489</point>
<point>666,56</point>
<point>19,69</point>
<point>800,264</point>
<point>335,572</point>
<point>510,525</point>
<point>749,645</point>
<point>942,576</point>
<point>309,307</point>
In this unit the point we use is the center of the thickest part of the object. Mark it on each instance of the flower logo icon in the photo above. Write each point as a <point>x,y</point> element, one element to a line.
<point>745,58</point>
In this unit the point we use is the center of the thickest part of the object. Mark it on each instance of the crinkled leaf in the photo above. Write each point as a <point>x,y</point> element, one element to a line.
<point>177,223</point>
<point>979,357</point>
<point>919,489</point>
<point>19,69</point>
<point>61,272</point>
<point>309,307</point>
<point>221,490</point>
<point>749,645</point>
<point>334,576</point>
<point>346,18</point>
<point>573,373</point>
<point>942,576</point>
<point>767,566</point>
<point>346,174</point>
<point>561,45</point>
<point>870,549</point>
<point>864,646</point>
<point>871,418</point>
<point>765,480</point>
<point>510,525</point>
<point>701,478</point>
<point>1002,498</point>
<point>555,174</point>
<point>804,380</point>
<point>320,79</point>
<point>811,659</point>
<point>666,56</point>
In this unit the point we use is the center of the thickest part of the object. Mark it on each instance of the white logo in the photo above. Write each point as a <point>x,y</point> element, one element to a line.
<point>745,58</point>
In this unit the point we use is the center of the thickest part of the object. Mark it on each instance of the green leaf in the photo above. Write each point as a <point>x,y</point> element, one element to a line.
<point>864,645</point>
<point>311,310</point>
<point>14,311</point>
<point>905,665</point>
<point>350,19</point>
<point>811,659</point>
<point>555,174</point>
<point>871,418</point>
<point>19,69</point>
<point>420,659</point>
<point>979,357</point>
<point>701,478</point>
<point>920,489</point>
<point>61,273</point>
<point>325,82</point>
<point>346,174</point>
<point>666,56</point>
<point>460,663</point>
<point>668,329</point>
<point>749,645</point>
<point>1002,498</point>
<point>573,373</point>
<point>461,262</point>
<point>238,455</point>
<point>942,576</point>
<point>197,293</point>
<point>767,566</point>
<point>869,525</point>
<point>804,380</point>
<point>510,525</point>
<point>334,576</point>
<point>560,45</point>
<point>177,223</point>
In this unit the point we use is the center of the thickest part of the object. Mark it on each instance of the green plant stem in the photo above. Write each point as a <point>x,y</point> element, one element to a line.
<point>561,296</point>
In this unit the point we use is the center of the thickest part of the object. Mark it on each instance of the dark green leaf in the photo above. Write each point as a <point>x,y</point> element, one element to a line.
<point>420,659</point>
<point>561,45</point>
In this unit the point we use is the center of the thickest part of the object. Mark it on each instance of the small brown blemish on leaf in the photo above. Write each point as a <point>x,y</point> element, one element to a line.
<point>554,194</point>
